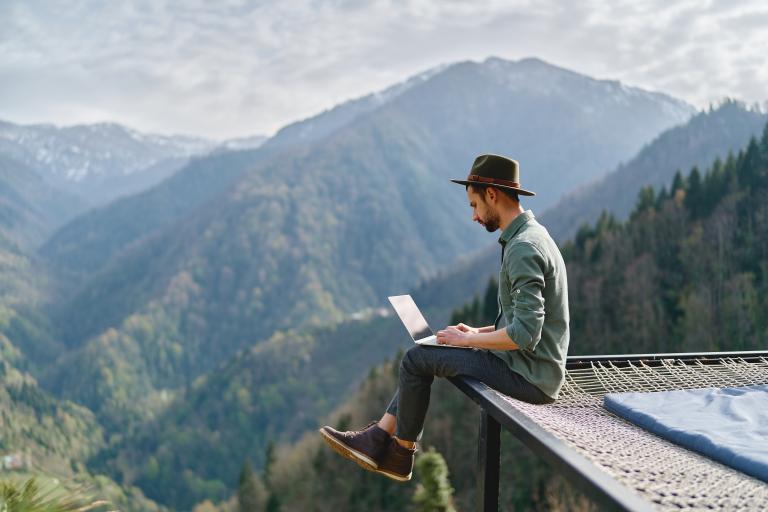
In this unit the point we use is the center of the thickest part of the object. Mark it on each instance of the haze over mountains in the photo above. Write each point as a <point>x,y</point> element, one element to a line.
<point>707,136</point>
<point>174,293</point>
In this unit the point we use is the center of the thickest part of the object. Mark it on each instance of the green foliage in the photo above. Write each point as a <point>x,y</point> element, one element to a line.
<point>247,494</point>
<point>276,390</point>
<point>685,273</point>
<point>646,200</point>
<point>273,503</point>
<point>479,313</point>
<point>33,421</point>
<point>29,497</point>
<point>434,492</point>
<point>269,462</point>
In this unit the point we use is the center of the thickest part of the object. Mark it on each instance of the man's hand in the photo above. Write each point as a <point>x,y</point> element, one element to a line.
<point>465,328</point>
<point>455,335</point>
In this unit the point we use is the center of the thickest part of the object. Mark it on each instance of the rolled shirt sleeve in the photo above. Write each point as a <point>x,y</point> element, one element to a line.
<point>526,273</point>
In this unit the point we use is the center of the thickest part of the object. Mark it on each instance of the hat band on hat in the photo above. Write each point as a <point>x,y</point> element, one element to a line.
<point>496,181</point>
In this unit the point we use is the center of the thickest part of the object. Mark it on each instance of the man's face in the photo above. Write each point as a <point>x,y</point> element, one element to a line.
<point>483,211</point>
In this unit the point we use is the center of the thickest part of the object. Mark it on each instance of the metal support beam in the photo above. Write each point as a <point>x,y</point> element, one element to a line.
<point>488,450</point>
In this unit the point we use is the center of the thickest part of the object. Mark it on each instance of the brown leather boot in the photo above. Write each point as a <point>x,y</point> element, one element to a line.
<point>366,447</point>
<point>397,462</point>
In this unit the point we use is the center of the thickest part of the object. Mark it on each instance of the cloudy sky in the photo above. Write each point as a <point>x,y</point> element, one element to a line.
<point>232,68</point>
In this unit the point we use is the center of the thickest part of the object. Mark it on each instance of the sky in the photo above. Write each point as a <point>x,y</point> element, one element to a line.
<point>238,68</point>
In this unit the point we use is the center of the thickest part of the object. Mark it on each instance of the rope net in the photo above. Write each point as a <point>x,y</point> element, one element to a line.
<point>666,475</point>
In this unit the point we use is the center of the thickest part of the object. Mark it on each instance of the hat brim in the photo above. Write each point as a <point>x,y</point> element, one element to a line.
<point>520,191</point>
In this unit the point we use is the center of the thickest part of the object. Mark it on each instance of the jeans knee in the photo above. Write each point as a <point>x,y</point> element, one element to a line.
<point>411,358</point>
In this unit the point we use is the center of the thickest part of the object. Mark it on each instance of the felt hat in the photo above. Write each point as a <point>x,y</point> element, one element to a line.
<point>497,171</point>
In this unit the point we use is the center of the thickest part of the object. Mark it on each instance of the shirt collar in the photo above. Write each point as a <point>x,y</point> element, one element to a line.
<point>514,226</point>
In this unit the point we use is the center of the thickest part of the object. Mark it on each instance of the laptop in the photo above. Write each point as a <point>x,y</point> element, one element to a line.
<point>414,321</point>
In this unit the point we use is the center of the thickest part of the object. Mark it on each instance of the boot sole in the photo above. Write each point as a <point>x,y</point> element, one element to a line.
<point>345,451</point>
<point>393,476</point>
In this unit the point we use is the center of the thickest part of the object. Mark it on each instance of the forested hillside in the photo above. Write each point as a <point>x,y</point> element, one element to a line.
<point>274,391</point>
<point>686,272</point>
<point>53,439</point>
<point>30,208</point>
<point>29,211</point>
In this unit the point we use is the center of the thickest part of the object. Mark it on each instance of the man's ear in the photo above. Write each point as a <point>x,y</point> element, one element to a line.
<point>491,194</point>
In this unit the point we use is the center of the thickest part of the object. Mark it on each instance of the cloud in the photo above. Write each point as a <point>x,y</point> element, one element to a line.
<point>240,67</point>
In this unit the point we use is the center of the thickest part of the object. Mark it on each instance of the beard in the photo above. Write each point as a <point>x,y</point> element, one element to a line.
<point>492,223</point>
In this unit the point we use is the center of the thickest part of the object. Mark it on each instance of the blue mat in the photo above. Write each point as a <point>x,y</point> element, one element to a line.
<point>729,425</point>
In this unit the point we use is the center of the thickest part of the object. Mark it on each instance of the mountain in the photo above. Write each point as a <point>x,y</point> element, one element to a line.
<point>29,210</point>
<point>697,143</point>
<point>98,162</point>
<point>316,127</point>
<point>95,238</point>
<point>306,234</point>
<point>139,214</point>
<point>548,89</point>
<point>30,207</point>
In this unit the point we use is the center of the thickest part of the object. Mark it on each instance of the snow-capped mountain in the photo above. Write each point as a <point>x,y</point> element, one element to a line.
<point>241,143</point>
<point>83,152</point>
<point>533,75</point>
<point>98,162</point>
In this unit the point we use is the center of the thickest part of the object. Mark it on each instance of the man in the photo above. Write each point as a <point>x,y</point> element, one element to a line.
<point>525,359</point>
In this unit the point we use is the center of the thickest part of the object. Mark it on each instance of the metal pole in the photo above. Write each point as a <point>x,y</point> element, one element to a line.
<point>488,450</point>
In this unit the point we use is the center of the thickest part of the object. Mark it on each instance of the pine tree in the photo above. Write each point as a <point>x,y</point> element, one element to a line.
<point>273,503</point>
<point>247,495</point>
<point>764,143</point>
<point>269,462</point>
<point>677,183</point>
<point>646,200</point>
<point>694,193</point>
<point>434,492</point>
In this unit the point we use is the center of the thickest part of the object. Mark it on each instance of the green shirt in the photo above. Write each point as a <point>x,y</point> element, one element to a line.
<point>533,301</point>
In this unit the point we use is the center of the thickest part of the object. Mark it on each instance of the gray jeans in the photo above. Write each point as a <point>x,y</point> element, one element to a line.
<point>421,364</point>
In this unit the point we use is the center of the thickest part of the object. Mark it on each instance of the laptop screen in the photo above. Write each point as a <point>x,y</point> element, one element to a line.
<point>411,316</point>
